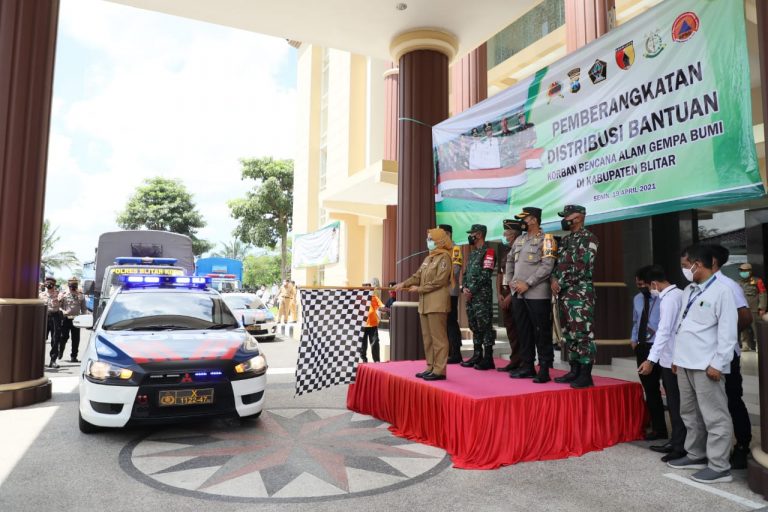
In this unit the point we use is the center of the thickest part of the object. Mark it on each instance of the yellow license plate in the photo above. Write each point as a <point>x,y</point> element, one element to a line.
<point>186,397</point>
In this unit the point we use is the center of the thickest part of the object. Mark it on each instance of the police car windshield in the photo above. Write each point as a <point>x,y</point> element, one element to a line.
<point>168,310</point>
<point>244,302</point>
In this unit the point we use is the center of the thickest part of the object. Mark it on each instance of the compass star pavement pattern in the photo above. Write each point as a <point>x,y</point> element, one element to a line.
<point>288,455</point>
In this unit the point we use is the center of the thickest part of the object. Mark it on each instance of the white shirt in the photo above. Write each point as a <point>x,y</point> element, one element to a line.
<point>669,310</point>
<point>738,297</point>
<point>706,335</point>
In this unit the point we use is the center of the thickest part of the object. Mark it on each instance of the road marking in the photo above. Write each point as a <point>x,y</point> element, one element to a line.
<point>281,371</point>
<point>714,490</point>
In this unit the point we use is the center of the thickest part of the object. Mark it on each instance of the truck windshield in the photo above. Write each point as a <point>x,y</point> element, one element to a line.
<point>168,310</point>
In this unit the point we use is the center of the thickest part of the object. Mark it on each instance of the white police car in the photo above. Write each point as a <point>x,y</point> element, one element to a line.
<point>253,314</point>
<point>168,349</point>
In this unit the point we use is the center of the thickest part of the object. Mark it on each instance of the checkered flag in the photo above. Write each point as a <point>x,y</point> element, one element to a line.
<point>331,331</point>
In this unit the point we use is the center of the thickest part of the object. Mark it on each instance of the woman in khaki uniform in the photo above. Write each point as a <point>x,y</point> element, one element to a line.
<point>432,282</point>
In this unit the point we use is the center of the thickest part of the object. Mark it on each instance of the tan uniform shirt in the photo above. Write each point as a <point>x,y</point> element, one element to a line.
<point>434,281</point>
<point>72,304</point>
<point>534,257</point>
<point>51,301</point>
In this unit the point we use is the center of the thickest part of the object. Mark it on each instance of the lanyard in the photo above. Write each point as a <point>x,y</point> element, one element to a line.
<point>694,297</point>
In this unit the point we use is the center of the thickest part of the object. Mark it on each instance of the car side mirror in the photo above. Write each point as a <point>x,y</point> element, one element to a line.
<point>83,322</point>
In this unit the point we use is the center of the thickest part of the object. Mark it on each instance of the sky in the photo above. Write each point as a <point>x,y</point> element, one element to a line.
<point>139,94</point>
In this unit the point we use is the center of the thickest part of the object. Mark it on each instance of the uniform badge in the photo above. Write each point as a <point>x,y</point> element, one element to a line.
<point>684,27</point>
<point>574,76</point>
<point>625,55</point>
<point>597,73</point>
<point>654,45</point>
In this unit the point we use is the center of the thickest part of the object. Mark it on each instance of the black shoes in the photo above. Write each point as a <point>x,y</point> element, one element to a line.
<point>52,364</point>
<point>543,375</point>
<point>476,355</point>
<point>662,448</point>
<point>433,376</point>
<point>423,374</point>
<point>524,372</point>
<point>454,360</point>
<point>571,375</point>
<point>655,436</point>
<point>739,457</point>
<point>673,456</point>
<point>74,360</point>
<point>584,380</point>
<point>510,367</point>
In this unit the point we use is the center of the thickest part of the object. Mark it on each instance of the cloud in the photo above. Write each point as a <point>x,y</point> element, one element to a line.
<point>140,94</point>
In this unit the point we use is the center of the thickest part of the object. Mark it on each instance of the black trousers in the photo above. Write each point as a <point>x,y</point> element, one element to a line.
<point>673,404</point>
<point>454,331</point>
<point>370,333</point>
<point>53,330</point>
<point>68,329</point>
<point>742,427</point>
<point>652,390</point>
<point>533,319</point>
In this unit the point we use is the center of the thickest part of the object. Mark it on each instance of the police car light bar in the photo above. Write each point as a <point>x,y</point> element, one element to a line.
<point>130,260</point>
<point>136,281</point>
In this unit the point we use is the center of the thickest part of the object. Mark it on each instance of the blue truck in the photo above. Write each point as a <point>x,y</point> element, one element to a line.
<point>226,273</point>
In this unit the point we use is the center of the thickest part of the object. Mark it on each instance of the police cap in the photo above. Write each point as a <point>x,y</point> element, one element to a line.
<point>513,225</point>
<point>529,210</point>
<point>745,266</point>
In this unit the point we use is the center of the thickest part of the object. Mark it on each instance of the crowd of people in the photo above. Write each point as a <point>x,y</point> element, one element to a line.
<point>62,307</point>
<point>689,341</point>
<point>283,297</point>
<point>686,340</point>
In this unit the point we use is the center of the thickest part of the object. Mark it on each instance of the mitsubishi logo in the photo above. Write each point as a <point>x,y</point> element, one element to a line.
<point>186,378</point>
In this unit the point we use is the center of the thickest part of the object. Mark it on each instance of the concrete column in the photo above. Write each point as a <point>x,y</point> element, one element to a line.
<point>391,76</point>
<point>27,49</point>
<point>469,80</point>
<point>758,466</point>
<point>423,58</point>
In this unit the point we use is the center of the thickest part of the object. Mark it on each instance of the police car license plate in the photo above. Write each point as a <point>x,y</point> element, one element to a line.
<point>186,397</point>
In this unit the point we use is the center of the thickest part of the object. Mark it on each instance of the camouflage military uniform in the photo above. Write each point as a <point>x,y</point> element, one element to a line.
<point>477,278</point>
<point>577,294</point>
<point>754,291</point>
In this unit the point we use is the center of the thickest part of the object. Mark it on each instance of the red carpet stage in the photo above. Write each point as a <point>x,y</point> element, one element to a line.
<point>484,419</point>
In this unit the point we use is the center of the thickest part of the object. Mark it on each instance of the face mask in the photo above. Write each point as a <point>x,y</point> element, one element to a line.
<point>566,224</point>
<point>431,245</point>
<point>73,288</point>
<point>688,273</point>
<point>654,292</point>
<point>744,275</point>
<point>471,239</point>
<point>524,226</point>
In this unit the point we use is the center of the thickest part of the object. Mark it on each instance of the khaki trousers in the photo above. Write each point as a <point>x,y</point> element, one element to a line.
<point>433,330</point>
<point>285,310</point>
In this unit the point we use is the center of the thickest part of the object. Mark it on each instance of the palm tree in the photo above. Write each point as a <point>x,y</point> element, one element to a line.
<point>50,259</point>
<point>236,250</point>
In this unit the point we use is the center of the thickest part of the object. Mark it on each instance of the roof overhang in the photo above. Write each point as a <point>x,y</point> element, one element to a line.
<point>366,193</point>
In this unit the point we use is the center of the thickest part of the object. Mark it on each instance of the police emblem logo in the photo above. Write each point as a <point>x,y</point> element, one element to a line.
<point>574,76</point>
<point>685,26</point>
<point>625,55</point>
<point>597,73</point>
<point>654,45</point>
<point>554,91</point>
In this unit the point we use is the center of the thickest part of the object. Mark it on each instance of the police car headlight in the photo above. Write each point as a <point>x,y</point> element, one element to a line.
<point>257,365</point>
<point>100,370</point>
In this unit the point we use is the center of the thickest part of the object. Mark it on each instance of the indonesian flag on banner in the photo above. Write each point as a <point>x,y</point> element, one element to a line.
<point>331,334</point>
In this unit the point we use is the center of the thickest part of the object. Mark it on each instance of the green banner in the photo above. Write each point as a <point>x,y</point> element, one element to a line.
<point>653,117</point>
<point>320,247</point>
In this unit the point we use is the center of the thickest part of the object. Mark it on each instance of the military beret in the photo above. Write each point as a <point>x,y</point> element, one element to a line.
<point>572,208</point>
<point>478,228</point>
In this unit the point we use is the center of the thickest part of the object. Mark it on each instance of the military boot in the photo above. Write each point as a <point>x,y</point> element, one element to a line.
<point>571,375</point>
<point>543,375</point>
<point>486,363</point>
<point>476,355</point>
<point>524,372</point>
<point>584,380</point>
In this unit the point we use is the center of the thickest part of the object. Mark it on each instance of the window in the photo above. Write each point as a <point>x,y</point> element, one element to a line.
<point>543,19</point>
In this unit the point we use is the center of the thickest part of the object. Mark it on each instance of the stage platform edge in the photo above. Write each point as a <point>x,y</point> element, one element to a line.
<point>485,420</point>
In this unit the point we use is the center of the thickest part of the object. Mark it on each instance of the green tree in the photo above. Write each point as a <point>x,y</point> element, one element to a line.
<point>235,249</point>
<point>265,214</point>
<point>165,205</point>
<point>49,258</point>
<point>261,270</point>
